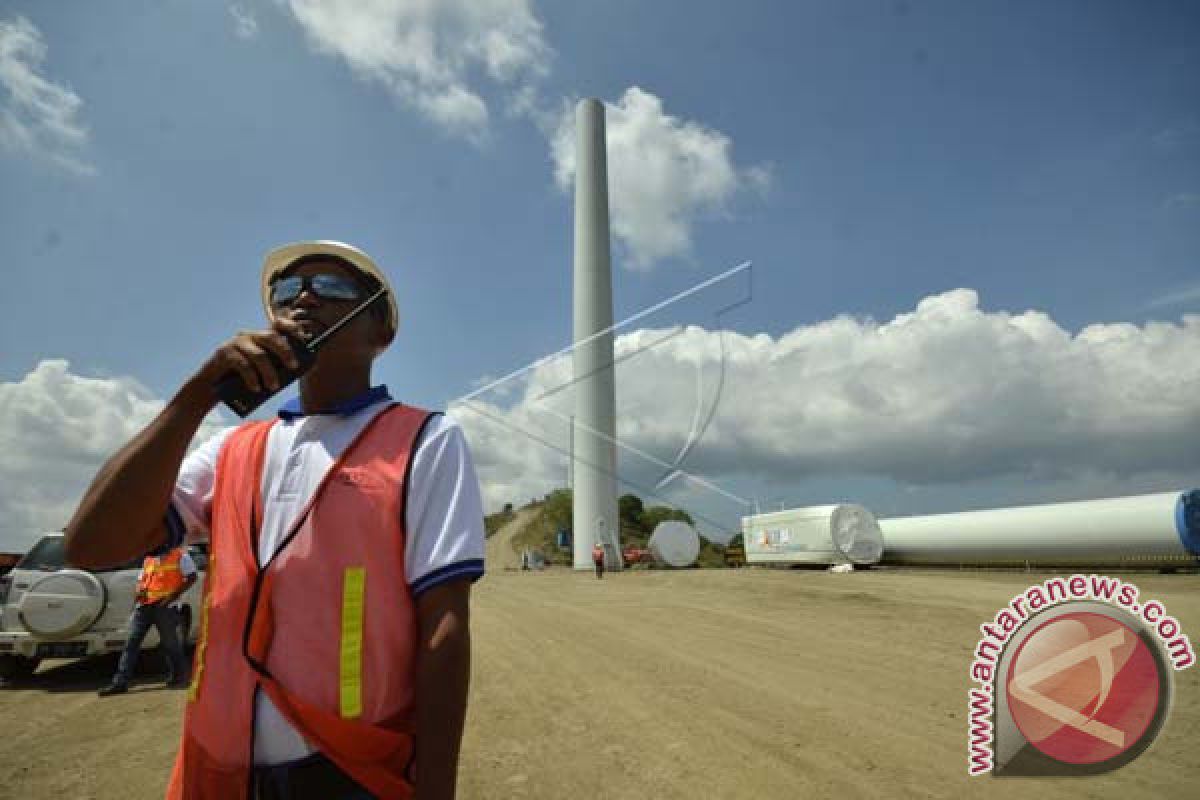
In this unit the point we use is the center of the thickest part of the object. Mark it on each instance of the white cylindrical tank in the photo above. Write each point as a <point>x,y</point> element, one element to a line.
<point>674,543</point>
<point>835,534</point>
<point>1144,530</point>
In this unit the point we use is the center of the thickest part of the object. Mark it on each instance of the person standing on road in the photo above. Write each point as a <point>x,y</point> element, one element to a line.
<point>598,560</point>
<point>334,654</point>
<point>165,575</point>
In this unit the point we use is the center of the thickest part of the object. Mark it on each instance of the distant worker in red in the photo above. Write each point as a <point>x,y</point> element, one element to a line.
<point>166,574</point>
<point>598,560</point>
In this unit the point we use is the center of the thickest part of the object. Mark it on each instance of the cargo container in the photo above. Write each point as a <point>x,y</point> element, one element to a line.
<point>834,534</point>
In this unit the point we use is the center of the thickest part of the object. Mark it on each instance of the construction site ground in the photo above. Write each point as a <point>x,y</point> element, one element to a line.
<point>688,684</point>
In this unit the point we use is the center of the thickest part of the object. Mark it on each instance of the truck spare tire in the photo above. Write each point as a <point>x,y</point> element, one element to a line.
<point>62,604</point>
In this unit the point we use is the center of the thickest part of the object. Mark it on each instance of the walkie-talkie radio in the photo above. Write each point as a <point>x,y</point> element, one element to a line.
<point>234,392</point>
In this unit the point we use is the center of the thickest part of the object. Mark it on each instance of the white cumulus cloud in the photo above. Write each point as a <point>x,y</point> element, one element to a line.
<point>428,53</point>
<point>946,394</point>
<point>56,429</point>
<point>245,26</point>
<point>664,173</point>
<point>1183,296</point>
<point>37,116</point>
<point>440,58</point>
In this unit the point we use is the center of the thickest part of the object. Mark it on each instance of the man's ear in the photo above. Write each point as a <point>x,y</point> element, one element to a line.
<point>379,333</point>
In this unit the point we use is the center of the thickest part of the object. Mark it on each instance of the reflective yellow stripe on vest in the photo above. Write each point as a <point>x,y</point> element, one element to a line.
<point>354,584</point>
<point>202,640</point>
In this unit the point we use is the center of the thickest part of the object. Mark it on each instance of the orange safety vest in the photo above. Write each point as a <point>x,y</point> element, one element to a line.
<point>160,578</point>
<point>326,628</point>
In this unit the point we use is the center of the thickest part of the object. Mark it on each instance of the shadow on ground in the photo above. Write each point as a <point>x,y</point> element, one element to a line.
<point>92,673</point>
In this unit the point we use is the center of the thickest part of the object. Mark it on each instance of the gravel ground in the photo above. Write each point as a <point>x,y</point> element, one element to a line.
<point>654,684</point>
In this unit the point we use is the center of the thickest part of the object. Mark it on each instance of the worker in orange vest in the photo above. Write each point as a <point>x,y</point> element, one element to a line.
<point>165,575</point>
<point>334,655</point>
<point>598,560</point>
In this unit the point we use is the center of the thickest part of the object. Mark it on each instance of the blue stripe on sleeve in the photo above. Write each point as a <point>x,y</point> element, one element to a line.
<point>471,568</point>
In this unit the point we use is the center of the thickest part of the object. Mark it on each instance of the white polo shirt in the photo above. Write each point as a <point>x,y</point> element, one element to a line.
<point>443,511</point>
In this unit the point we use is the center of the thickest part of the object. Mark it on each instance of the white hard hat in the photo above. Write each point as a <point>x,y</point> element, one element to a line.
<point>283,257</point>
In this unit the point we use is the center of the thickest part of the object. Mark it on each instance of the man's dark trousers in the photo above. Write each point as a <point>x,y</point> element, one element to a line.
<point>166,619</point>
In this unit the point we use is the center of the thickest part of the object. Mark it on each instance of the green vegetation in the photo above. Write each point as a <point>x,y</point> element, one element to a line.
<point>494,522</point>
<point>637,524</point>
<point>541,532</point>
<point>711,555</point>
<point>735,551</point>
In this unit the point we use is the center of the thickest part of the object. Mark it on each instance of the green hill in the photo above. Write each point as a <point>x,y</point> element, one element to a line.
<point>494,522</point>
<point>637,524</point>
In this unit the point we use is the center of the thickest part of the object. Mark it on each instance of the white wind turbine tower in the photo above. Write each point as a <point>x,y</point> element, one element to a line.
<point>594,455</point>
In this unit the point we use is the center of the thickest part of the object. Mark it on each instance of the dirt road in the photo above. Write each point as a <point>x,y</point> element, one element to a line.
<point>693,684</point>
<point>500,552</point>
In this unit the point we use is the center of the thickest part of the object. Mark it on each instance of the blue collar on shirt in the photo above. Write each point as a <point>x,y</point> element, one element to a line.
<point>294,409</point>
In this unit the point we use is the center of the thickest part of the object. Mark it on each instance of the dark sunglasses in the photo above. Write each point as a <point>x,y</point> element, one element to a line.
<point>328,287</point>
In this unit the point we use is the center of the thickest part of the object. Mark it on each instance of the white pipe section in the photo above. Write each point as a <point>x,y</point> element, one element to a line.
<point>594,510</point>
<point>1144,530</point>
<point>674,543</point>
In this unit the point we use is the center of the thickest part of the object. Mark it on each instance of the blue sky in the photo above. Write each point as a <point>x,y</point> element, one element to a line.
<point>866,156</point>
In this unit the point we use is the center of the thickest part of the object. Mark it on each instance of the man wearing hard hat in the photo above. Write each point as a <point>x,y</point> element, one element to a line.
<point>166,574</point>
<point>334,651</point>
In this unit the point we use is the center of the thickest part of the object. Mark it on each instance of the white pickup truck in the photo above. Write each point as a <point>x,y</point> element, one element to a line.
<point>50,610</point>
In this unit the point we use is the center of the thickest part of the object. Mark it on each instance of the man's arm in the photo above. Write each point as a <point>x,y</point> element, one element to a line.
<point>121,514</point>
<point>443,672</point>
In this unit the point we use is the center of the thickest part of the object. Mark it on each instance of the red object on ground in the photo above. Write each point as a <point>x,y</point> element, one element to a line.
<point>637,555</point>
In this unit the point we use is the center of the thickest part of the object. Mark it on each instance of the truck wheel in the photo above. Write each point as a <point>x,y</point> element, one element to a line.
<point>17,668</point>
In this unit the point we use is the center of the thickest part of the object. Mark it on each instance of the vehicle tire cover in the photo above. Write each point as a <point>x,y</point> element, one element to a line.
<point>62,604</point>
